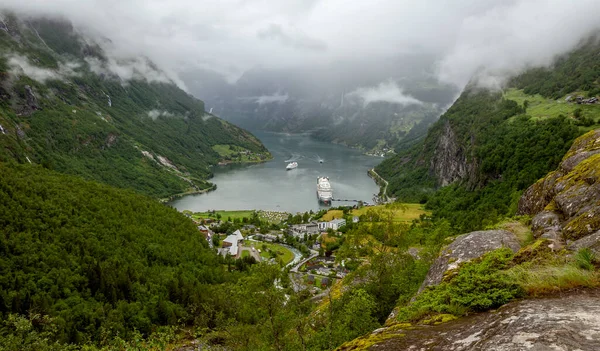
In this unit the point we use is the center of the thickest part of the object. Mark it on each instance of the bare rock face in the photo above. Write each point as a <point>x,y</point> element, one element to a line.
<point>465,248</point>
<point>566,203</point>
<point>564,323</point>
<point>449,161</point>
<point>591,242</point>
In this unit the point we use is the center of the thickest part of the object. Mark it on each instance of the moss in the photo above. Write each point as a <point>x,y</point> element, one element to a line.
<point>539,250</point>
<point>582,225</point>
<point>552,206</point>
<point>588,142</point>
<point>439,319</point>
<point>365,342</point>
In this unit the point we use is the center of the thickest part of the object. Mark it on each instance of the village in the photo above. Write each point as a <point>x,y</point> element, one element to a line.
<point>303,249</point>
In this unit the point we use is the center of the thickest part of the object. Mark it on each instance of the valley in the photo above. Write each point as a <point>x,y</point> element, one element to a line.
<point>137,213</point>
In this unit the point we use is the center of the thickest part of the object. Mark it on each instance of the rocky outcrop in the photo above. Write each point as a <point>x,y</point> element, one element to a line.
<point>568,322</point>
<point>591,242</point>
<point>566,203</point>
<point>449,161</point>
<point>465,248</point>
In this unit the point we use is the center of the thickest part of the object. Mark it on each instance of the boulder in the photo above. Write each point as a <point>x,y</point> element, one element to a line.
<point>565,205</point>
<point>465,248</point>
<point>562,323</point>
<point>591,242</point>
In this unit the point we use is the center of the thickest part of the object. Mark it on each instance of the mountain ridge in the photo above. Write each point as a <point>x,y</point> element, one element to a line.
<point>70,107</point>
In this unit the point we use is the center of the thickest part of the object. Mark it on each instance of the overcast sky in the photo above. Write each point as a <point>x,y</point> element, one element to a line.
<point>231,36</point>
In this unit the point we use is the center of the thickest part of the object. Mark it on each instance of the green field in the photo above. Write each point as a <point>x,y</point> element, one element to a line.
<point>540,107</point>
<point>239,154</point>
<point>402,212</point>
<point>284,254</point>
<point>224,214</point>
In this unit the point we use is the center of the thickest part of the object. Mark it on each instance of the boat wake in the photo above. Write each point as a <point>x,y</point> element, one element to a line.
<point>294,157</point>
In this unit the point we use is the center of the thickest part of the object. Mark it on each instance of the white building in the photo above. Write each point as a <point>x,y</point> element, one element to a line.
<point>337,223</point>
<point>232,243</point>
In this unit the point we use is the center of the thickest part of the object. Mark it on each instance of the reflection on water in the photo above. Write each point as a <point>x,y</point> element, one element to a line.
<point>270,186</point>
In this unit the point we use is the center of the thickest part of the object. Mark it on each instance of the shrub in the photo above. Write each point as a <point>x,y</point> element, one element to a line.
<point>477,286</point>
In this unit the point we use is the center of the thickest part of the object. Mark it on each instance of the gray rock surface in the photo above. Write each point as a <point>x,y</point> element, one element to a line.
<point>565,205</point>
<point>591,241</point>
<point>565,323</point>
<point>449,162</point>
<point>465,248</point>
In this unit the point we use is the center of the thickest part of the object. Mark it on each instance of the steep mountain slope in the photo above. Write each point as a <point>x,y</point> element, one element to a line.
<point>93,262</point>
<point>343,102</point>
<point>490,146</point>
<point>66,104</point>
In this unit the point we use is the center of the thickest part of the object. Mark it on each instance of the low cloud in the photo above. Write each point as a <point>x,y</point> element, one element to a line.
<point>269,99</point>
<point>21,65</point>
<point>155,114</point>
<point>387,91</point>
<point>132,68</point>
<point>293,38</point>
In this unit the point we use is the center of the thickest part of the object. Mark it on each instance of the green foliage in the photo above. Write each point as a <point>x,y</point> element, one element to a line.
<point>477,286</point>
<point>510,154</point>
<point>585,259</point>
<point>100,262</point>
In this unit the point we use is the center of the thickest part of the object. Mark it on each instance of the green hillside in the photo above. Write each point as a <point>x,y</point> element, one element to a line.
<point>60,106</point>
<point>490,146</point>
<point>98,261</point>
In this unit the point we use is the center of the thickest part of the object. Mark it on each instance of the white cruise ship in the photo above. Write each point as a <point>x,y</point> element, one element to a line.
<point>292,165</point>
<point>324,191</point>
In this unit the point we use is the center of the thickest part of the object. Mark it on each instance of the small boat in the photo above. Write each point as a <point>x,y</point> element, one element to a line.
<point>320,161</point>
<point>291,166</point>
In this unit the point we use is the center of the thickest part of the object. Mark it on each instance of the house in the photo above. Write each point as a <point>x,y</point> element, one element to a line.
<point>312,228</point>
<point>323,226</point>
<point>232,242</point>
<point>355,219</point>
<point>337,223</point>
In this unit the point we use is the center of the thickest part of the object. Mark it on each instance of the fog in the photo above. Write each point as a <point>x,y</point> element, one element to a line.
<point>489,38</point>
<point>384,92</point>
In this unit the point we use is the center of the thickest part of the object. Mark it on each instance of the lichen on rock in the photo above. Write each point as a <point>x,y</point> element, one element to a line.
<point>566,203</point>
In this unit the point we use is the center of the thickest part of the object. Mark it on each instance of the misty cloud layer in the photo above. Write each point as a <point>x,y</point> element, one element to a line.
<point>384,92</point>
<point>487,38</point>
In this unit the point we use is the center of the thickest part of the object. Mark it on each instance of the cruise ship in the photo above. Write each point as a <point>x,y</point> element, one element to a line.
<point>324,191</point>
<point>292,165</point>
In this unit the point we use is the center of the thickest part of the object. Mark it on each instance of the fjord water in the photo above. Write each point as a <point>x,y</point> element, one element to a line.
<point>268,186</point>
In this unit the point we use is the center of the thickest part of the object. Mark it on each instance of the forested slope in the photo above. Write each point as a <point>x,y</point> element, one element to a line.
<point>99,261</point>
<point>65,104</point>
<point>490,146</point>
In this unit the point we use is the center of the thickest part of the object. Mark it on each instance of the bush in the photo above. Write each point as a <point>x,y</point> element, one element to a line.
<point>478,285</point>
<point>585,259</point>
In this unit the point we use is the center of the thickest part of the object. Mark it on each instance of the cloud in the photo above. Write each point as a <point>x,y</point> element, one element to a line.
<point>22,66</point>
<point>269,99</point>
<point>155,114</point>
<point>137,68</point>
<point>493,38</point>
<point>387,91</point>
<point>297,40</point>
<point>508,38</point>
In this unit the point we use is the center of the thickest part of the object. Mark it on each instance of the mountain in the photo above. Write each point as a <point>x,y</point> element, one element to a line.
<point>369,105</point>
<point>491,145</point>
<point>88,262</point>
<point>68,104</point>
